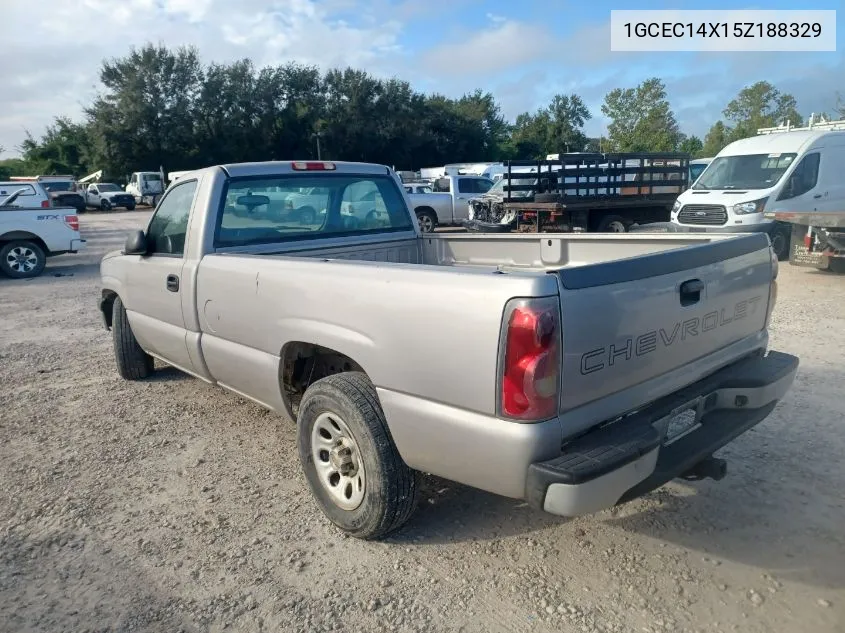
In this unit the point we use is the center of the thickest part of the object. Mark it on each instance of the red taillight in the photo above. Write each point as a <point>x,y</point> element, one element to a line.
<point>313,166</point>
<point>45,204</point>
<point>531,362</point>
<point>72,221</point>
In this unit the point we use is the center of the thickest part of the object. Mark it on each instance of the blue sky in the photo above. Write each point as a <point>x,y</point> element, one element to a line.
<point>522,52</point>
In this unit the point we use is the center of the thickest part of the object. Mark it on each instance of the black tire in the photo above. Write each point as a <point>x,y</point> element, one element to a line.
<point>133,363</point>
<point>21,259</point>
<point>427,221</point>
<point>391,488</point>
<point>307,215</point>
<point>105,205</point>
<point>781,237</point>
<point>610,222</point>
<point>836,265</point>
<point>130,207</point>
<point>547,197</point>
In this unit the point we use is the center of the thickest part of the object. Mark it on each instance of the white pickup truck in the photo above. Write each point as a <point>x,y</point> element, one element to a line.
<point>28,236</point>
<point>107,196</point>
<point>448,204</point>
<point>575,371</point>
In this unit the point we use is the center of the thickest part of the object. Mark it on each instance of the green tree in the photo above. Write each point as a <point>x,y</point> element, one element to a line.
<point>146,116</point>
<point>691,145</point>
<point>64,148</point>
<point>641,118</point>
<point>717,137</point>
<point>759,105</point>
<point>554,129</point>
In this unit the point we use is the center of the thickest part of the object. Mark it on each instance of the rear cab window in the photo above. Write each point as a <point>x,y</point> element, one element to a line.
<point>298,207</point>
<point>7,189</point>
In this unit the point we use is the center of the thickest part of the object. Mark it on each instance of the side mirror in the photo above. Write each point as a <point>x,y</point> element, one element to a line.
<point>136,244</point>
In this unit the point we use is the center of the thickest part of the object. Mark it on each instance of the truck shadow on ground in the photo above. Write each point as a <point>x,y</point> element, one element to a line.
<point>780,508</point>
<point>450,512</point>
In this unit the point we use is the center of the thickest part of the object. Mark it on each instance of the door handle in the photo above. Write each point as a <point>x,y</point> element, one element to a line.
<point>691,292</point>
<point>817,196</point>
<point>173,283</point>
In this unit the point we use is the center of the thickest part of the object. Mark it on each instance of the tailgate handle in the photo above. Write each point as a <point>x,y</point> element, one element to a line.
<point>691,292</point>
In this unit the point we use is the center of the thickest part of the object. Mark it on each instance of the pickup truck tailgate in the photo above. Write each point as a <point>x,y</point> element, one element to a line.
<point>629,321</point>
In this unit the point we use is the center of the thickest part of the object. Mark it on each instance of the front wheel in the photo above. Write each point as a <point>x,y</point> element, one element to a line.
<point>130,207</point>
<point>350,461</point>
<point>133,363</point>
<point>612,224</point>
<point>21,259</point>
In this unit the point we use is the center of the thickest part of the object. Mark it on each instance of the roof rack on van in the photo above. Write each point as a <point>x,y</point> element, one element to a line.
<point>822,125</point>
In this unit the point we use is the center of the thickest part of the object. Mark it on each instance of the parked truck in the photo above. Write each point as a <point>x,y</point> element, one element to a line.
<point>146,187</point>
<point>583,191</point>
<point>448,203</point>
<point>556,373</point>
<point>29,235</point>
<point>62,190</point>
<point>811,198</point>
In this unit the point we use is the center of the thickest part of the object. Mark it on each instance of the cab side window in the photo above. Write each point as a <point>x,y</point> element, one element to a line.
<point>166,233</point>
<point>804,178</point>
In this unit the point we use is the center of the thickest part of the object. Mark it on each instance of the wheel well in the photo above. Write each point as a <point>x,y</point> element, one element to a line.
<point>106,306</point>
<point>11,236</point>
<point>304,363</point>
<point>426,210</point>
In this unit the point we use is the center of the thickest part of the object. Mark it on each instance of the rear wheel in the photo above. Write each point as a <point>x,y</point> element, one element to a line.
<point>133,363</point>
<point>130,207</point>
<point>612,224</point>
<point>781,236</point>
<point>350,461</point>
<point>836,265</point>
<point>21,259</point>
<point>105,205</point>
<point>427,220</point>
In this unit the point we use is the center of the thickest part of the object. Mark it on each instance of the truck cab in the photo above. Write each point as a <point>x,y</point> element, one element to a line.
<point>146,187</point>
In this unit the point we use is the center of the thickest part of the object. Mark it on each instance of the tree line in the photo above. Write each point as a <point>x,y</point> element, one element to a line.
<point>164,107</point>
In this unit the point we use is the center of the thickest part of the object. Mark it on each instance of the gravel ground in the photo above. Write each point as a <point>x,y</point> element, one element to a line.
<point>170,505</point>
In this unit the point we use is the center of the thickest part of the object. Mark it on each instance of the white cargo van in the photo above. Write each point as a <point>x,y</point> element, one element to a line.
<point>780,171</point>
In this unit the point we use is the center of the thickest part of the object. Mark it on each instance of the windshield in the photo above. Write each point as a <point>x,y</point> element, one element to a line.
<point>695,171</point>
<point>107,186</point>
<point>751,171</point>
<point>275,209</point>
<point>498,187</point>
<point>58,185</point>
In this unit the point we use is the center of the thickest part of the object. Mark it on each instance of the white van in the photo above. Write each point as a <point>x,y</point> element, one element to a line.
<point>790,171</point>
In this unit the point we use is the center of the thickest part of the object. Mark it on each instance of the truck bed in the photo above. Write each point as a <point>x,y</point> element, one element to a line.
<point>511,251</point>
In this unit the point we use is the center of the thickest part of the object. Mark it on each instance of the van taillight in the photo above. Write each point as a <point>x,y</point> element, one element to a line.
<point>45,204</point>
<point>531,364</point>
<point>72,221</point>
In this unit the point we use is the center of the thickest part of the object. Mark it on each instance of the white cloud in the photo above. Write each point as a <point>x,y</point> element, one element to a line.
<point>505,46</point>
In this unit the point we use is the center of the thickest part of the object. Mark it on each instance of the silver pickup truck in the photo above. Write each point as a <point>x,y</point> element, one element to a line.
<point>575,371</point>
<point>448,204</point>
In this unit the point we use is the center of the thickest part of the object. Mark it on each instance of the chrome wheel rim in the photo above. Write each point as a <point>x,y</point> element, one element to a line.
<point>616,227</point>
<point>426,223</point>
<point>337,460</point>
<point>22,259</point>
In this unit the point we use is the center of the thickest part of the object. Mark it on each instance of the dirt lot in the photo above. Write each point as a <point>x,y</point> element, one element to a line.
<point>170,505</point>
